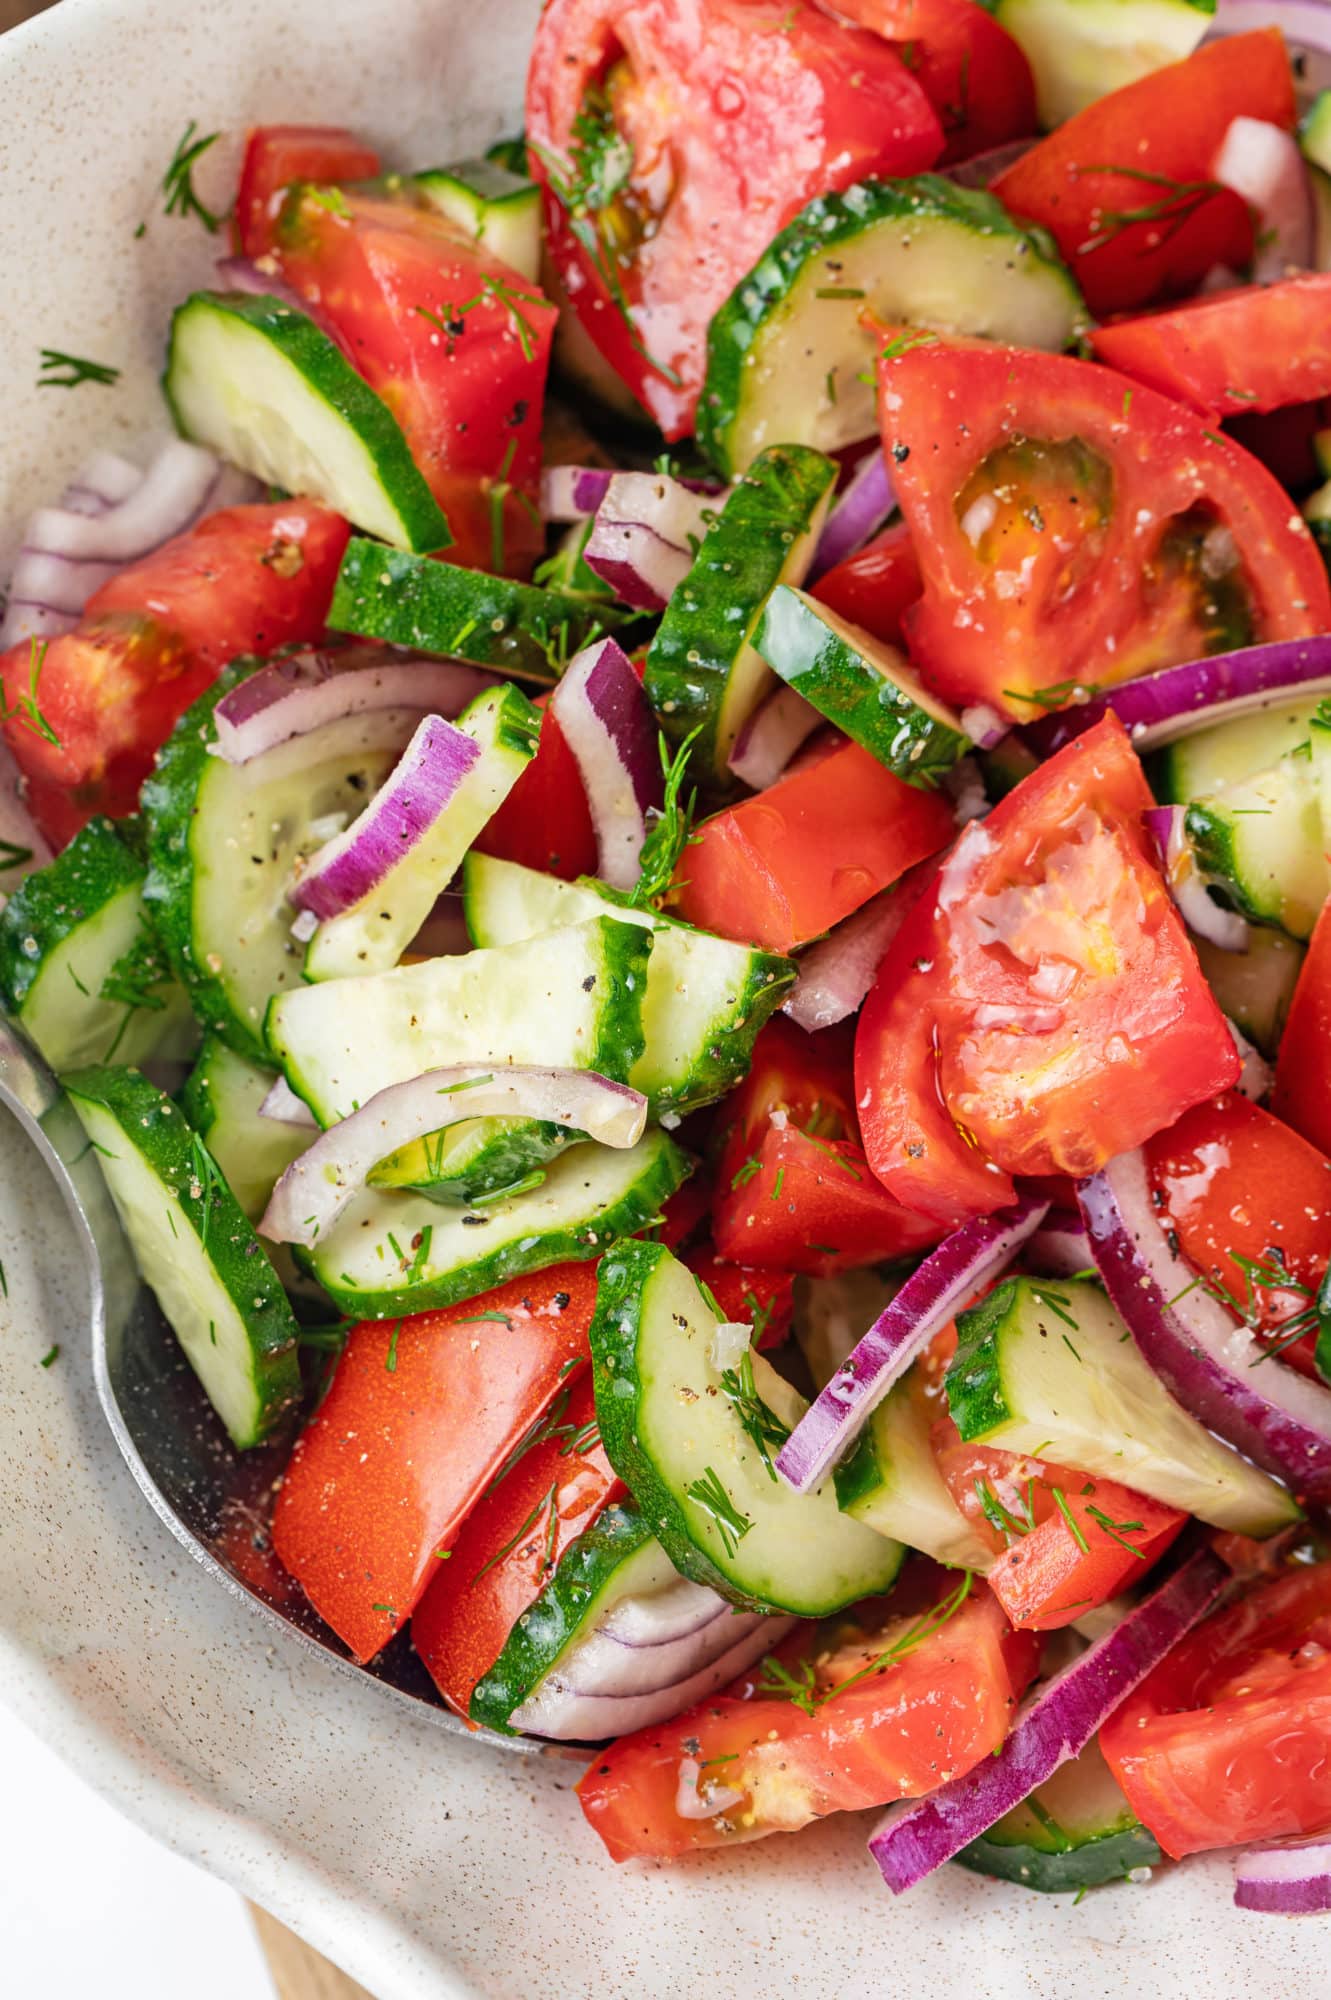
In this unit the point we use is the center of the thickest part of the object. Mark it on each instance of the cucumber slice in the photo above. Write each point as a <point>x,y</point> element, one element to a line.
<point>865,687</point>
<point>223,840</point>
<point>1080,50</point>
<point>392,1253</point>
<point>221,1100</point>
<point>260,384</point>
<point>80,970</point>
<point>1262,842</point>
<point>1254,987</point>
<point>1074,1832</point>
<point>787,357</point>
<point>195,1248</point>
<point>1228,752</point>
<point>1064,1381</point>
<point>465,614</point>
<point>677,1440</point>
<point>373,936</point>
<point>500,210</point>
<point>1315,132</point>
<point>572,998</point>
<point>706,998</point>
<point>891,1482</point>
<point>702,670</point>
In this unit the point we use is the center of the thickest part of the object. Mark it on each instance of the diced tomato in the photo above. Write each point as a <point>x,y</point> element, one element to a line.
<point>1075,529</point>
<point>245,580</point>
<point>1254,349</point>
<point>763,1299</point>
<point>1041,1009</point>
<point>971,70</point>
<point>1125,188</point>
<point>652,128</point>
<point>784,866</point>
<point>1302,1096</point>
<point>276,157</point>
<point>511,1541</point>
<point>1249,1202</point>
<point>1226,1741</point>
<point>455,342</point>
<point>1064,1542</point>
<point>861,1735</point>
<point>684,1212</point>
<point>420,1415</point>
<point>875,588</point>
<point>545,822</point>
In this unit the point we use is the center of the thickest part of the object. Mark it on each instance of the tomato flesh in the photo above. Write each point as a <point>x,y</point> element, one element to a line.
<point>545,822</point>
<point>765,1765</point>
<point>1041,1009</point>
<point>1302,1096</point>
<point>276,157</point>
<point>973,73</point>
<point>1226,1741</point>
<point>1125,187</point>
<point>748,1294</point>
<point>419,1417</point>
<point>1241,352</point>
<point>876,587</point>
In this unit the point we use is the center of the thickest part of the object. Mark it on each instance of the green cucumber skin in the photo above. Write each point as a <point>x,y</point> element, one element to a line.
<point>576,1245</point>
<point>498,1153</point>
<point>551,1622</point>
<point>738,564</point>
<point>330,375</point>
<point>463,614</point>
<point>50,904</point>
<point>859,1474</point>
<point>871,708</point>
<point>975,1397</point>
<point>1087,1867</point>
<point>157,1129</point>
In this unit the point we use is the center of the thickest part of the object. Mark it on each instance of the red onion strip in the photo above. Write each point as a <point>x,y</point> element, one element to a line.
<point>608,724</point>
<point>782,721</point>
<point>304,691</point>
<point>1290,1879</point>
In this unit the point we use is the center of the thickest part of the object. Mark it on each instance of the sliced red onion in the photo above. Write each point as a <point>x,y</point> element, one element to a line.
<point>782,721</point>
<point>305,691</point>
<point>645,536</point>
<point>282,1104</point>
<point>1225,929</point>
<point>1257,1077</point>
<point>1161,707</point>
<point>1054,1724</point>
<point>1060,1247</point>
<point>1291,1879</point>
<point>860,509</point>
<point>1204,1355</point>
<point>392,829</point>
<point>835,975</point>
<point>981,169</point>
<point>935,1292</point>
<point>964,785</point>
<point>984,725</point>
<point>573,492</point>
<point>238,274</point>
<point>1262,162</point>
<point>316,1188</point>
<point>608,724</point>
<point>1304,23</point>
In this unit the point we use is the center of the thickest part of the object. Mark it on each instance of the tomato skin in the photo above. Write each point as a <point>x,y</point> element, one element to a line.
<point>389,1465</point>
<point>545,822</point>
<point>933,1714</point>
<point>245,580</point>
<point>1258,348</point>
<point>784,866</point>
<point>1226,1741</point>
<point>276,157</point>
<point>971,70</point>
<point>508,1545</point>
<point>1302,1096</point>
<point>1169,123</point>
<point>469,401</point>
<point>876,587</point>
<point>968,1070</point>
<point>763,1299</point>
<point>1231,1178</point>
<point>1009,613</point>
<point>698,91</point>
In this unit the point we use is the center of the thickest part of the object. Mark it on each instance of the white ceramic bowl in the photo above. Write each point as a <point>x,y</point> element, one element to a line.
<point>426,1865</point>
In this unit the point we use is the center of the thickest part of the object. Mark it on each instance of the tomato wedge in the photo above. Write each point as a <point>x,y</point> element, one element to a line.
<point>545,822</point>
<point>971,70</point>
<point>754,1760</point>
<point>276,157</point>
<point>1041,1008</point>
<point>876,587</point>
<point>1227,1740</point>
<point>245,580</point>
<point>1075,529</point>
<point>456,343</point>
<point>1240,352</point>
<point>1249,1202</point>
<point>763,1299</point>
<point>652,128</point>
<point>1302,1096</point>
<point>420,1414</point>
<point>784,866</point>
<point>1125,188</point>
<point>511,1541</point>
